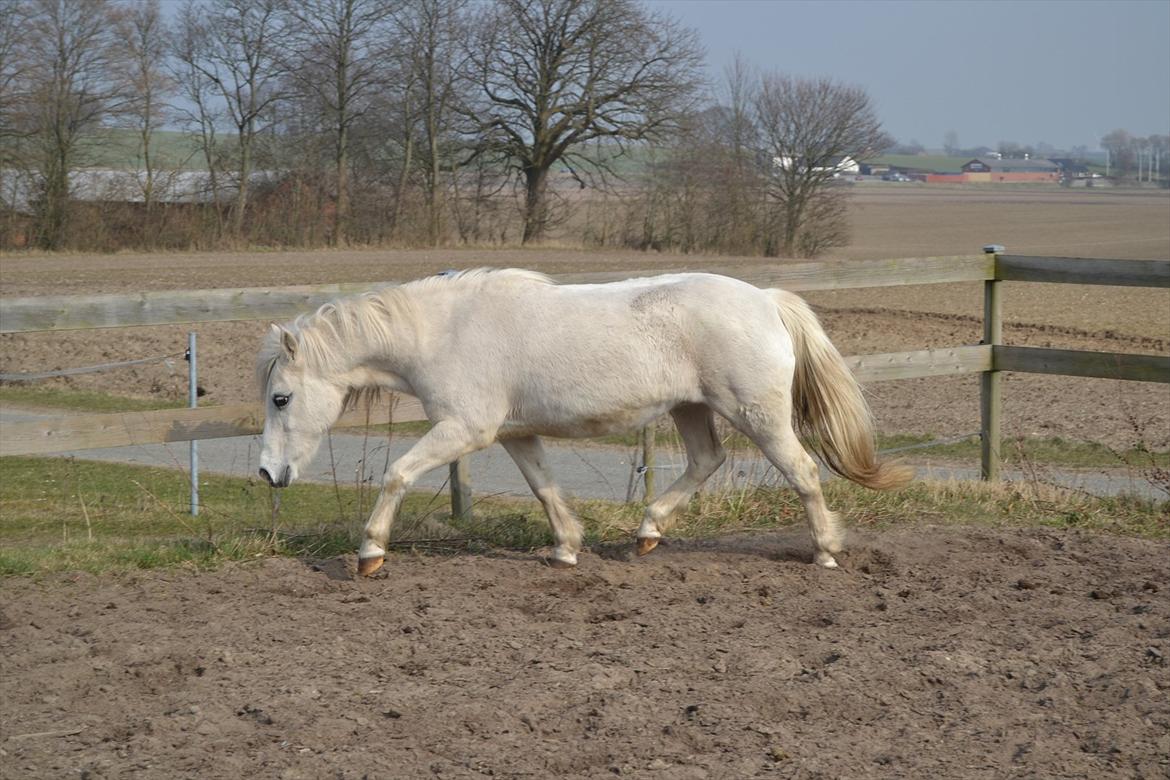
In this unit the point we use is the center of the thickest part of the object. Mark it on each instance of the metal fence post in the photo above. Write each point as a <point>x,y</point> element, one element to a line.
<point>192,402</point>
<point>990,389</point>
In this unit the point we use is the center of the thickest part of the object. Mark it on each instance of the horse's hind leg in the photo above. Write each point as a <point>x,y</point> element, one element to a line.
<point>528,454</point>
<point>696,425</point>
<point>783,448</point>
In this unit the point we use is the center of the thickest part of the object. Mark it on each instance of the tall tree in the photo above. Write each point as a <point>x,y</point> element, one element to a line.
<point>951,142</point>
<point>1160,146</point>
<point>70,50</point>
<point>197,109</point>
<point>14,68</point>
<point>1119,145</point>
<point>13,83</point>
<point>235,48</point>
<point>552,75</point>
<point>741,182</point>
<point>808,127</point>
<point>433,29</point>
<point>142,69</point>
<point>336,58</point>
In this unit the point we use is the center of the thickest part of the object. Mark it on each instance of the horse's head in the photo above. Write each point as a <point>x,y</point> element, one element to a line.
<point>300,406</point>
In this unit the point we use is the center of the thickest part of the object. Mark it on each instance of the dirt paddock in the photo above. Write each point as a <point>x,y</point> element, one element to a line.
<point>934,652</point>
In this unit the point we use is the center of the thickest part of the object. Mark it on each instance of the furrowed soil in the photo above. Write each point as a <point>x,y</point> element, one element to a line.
<point>933,652</point>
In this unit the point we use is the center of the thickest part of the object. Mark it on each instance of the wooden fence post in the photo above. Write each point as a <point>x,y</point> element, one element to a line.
<point>460,490</point>
<point>990,390</point>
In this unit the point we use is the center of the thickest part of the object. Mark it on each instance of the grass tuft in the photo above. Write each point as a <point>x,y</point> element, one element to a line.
<point>53,397</point>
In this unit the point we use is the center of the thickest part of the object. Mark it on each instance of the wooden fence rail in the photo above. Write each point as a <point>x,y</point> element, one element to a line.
<point>90,431</point>
<point>988,359</point>
<point>123,429</point>
<point>1076,270</point>
<point>83,312</point>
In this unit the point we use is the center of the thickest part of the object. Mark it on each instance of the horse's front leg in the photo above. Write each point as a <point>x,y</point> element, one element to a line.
<point>446,441</point>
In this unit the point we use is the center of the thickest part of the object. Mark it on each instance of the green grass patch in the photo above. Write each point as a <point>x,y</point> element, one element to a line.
<point>120,149</point>
<point>48,397</point>
<point>64,514</point>
<point>931,162</point>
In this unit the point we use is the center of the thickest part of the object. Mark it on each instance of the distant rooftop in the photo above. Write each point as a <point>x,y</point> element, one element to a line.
<point>1015,166</point>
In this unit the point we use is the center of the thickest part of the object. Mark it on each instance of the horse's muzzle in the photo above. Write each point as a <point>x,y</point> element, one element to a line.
<point>277,483</point>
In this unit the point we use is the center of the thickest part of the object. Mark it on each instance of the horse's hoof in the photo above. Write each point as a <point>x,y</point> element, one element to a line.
<point>646,545</point>
<point>557,563</point>
<point>367,566</point>
<point>825,560</point>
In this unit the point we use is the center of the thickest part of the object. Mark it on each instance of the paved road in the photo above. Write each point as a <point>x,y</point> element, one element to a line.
<point>583,470</point>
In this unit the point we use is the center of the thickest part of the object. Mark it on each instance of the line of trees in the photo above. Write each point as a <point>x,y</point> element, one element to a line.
<point>760,170</point>
<point>1144,159</point>
<point>416,122</point>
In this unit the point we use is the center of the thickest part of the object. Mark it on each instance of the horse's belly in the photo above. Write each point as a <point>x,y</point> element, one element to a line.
<point>556,420</point>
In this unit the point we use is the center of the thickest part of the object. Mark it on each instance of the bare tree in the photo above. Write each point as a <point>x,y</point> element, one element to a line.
<point>552,75</point>
<point>14,67</point>
<point>808,127</point>
<point>433,29</point>
<point>142,69</point>
<point>13,85</point>
<point>1141,148</point>
<point>911,147</point>
<point>70,50</point>
<point>951,142</point>
<point>234,47</point>
<point>1160,146</point>
<point>741,182</point>
<point>337,60</point>
<point>1119,145</point>
<point>703,192</point>
<point>197,110</point>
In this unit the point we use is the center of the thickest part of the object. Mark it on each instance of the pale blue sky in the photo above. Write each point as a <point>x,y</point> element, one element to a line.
<point>1062,71</point>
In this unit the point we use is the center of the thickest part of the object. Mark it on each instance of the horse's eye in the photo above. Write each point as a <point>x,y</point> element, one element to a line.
<point>280,401</point>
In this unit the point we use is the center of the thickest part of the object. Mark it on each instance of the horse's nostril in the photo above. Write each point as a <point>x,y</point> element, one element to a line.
<point>267,477</point>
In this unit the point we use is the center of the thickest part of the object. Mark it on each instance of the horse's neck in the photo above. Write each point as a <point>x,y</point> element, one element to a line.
<point>392,350</point>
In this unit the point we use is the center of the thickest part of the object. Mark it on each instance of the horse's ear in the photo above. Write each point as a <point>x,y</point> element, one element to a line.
<point>288,341</point>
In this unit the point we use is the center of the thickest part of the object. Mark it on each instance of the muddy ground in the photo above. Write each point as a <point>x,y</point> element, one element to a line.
<point>934,652</point>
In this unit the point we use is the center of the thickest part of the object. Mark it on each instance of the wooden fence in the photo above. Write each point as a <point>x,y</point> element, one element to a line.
<point>988,359</point>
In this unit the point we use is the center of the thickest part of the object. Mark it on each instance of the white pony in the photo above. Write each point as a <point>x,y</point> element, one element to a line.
<point>509,355</point>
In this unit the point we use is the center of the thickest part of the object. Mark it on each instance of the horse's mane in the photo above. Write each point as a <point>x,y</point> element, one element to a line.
<point>323,337</point>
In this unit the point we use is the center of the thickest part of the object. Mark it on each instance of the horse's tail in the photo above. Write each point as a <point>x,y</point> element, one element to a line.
<point>831,413</point>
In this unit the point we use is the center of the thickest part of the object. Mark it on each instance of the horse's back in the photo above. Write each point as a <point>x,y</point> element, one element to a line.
<point>583,360</point>
<point>671,323</point>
